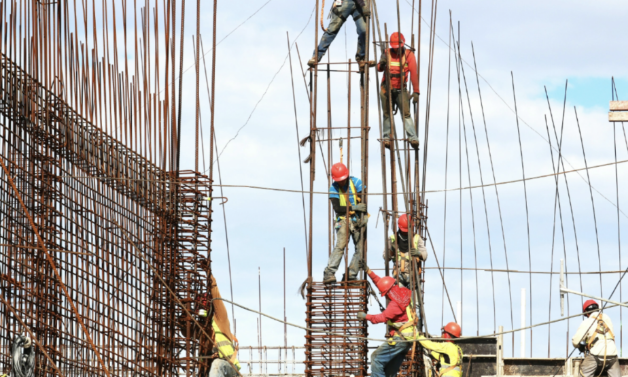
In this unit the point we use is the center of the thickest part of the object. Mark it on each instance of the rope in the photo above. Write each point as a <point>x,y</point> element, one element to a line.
<point>463,338</point>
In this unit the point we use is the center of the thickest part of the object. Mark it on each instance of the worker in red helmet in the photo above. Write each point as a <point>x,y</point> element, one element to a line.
<point>401,319</point>
<point>403,253</point>
<point>595,338</point>
<point>447,353</point>
<point>359,10</point>
<point>343,195</point>
<point>401,66</point>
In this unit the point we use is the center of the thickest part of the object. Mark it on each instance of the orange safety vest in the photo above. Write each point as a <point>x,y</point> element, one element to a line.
<point>396,65</point>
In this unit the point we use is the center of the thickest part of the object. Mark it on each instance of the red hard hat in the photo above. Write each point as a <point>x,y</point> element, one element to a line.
<point>384,284</point>
<point>587,304</point>
<point>339,172</point>
<point>403,223</point>
<point>453,329</point>
<point>396,40</point>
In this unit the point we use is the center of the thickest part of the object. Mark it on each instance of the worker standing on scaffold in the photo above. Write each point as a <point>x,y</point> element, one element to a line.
<point>398,87</point>
<point>400,317</point>
<point>596,339</point>
<point>340,11</point>
<point>343,193</point>
<point>402,264</point>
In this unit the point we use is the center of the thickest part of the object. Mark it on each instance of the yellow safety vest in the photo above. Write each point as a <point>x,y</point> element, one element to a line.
<point>352,192</point>
<point>403,259</point>
<point>225,346</point>
<point>448,354</point>
<point>407,329</point>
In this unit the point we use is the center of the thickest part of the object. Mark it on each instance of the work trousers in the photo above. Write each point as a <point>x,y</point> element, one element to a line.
<point>341,243</point>
<point>386,359</point>
<point>338,17</point>
<point>222,368</point>
<point>401,98</point>
<point>592,366</point>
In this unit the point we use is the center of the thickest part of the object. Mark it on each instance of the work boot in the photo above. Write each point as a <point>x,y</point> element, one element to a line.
<point>350,282</point>
<point>329,279</point>
<point>414,143</point>
<point>387,144</point>
<point>363,63</point>
<point>312,62</point>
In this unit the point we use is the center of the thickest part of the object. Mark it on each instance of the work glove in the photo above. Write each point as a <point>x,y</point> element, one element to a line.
<point>415,98</point>
<point>361,315</point>
<point>363,222</point>
<point>360,207</point>
<point>383,60</point>
<point>366,12</point>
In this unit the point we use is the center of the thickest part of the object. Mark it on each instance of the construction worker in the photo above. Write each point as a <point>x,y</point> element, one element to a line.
<point>400,316</point>
<point>340,11</point>
<point>224,345</point>
<point>343,195</point>
<point>596,339</point>
<point>398,87</point>
<point>447,353</point>
<point>402,264</point>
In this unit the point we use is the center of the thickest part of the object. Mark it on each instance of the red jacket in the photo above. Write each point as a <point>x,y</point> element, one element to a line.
<point>396,309</point>
<point>410,67</point>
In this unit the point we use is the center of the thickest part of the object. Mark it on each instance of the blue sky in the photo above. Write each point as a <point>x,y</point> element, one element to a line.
<point>542,43</point>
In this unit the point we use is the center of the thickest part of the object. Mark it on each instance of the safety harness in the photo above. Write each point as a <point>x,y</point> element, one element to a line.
<point>601,331</point>
<point>344,197</point>
<point>449,367</point>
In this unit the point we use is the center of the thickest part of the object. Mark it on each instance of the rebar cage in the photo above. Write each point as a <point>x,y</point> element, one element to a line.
<point>94,240</point>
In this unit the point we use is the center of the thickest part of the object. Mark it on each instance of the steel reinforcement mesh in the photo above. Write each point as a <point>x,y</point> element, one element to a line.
<point>334,308</point>
<point>89,243</point>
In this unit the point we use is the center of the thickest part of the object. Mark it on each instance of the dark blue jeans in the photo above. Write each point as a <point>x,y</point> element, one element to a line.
<point>338,17</point>
<point>387,359</point>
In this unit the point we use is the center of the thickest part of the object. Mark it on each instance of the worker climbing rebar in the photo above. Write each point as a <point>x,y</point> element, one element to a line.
<point>400,317</point>
<point>403,252</point>
<point>595,338</point>
<point>343,195</point>
<point>340,11</point>
<point>397,87</point>
<point>224,350</point>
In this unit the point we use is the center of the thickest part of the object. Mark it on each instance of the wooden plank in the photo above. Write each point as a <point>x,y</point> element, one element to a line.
<point>618,116</point>
<point>619,106</point>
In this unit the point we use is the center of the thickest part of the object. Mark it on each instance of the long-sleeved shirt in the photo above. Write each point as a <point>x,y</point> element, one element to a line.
<point>410,68</point>
<point>448,354</point>
<point>588,328</point>
<point>418,248</point>
<point>393,312</point>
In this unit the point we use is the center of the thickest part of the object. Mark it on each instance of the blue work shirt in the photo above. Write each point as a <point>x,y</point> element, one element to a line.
<point>334,191</point>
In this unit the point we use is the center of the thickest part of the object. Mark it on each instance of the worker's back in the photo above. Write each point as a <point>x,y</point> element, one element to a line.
<point>591,328</point>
